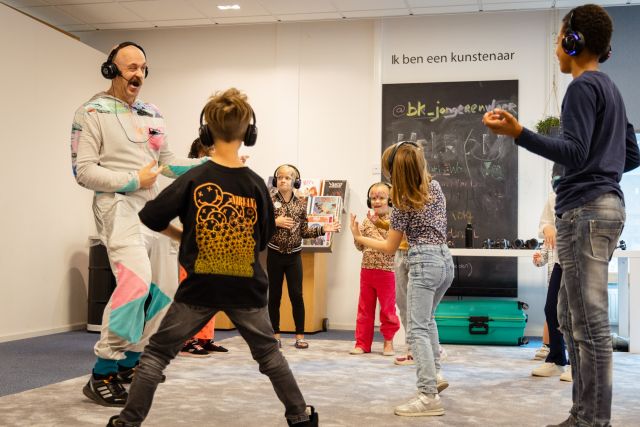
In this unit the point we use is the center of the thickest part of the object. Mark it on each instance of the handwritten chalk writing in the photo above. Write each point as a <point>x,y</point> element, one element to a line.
<point>466,268</point>
<point>419,109</point>
<point>462,215</point>
<point>445,168</point>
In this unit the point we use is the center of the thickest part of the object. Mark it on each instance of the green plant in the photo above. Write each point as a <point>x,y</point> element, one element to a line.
<point>545,125</point>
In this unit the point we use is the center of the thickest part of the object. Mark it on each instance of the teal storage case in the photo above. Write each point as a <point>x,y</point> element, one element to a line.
<point>482,322</point>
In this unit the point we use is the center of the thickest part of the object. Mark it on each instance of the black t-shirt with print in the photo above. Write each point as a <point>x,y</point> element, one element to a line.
<point>227,217</point>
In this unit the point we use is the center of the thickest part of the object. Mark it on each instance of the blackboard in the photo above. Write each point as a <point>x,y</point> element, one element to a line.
<point>478,171</point>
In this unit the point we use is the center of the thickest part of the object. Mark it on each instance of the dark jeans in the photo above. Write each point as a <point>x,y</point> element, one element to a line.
<point>278,266</point>
<point>557,350</point>
<point>181,323</point>
<point>587,236</point>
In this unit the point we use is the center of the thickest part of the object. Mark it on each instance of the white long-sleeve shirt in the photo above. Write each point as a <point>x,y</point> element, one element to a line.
<point>111,141</point>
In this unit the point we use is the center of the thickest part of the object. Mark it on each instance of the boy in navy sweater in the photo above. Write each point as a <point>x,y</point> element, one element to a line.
<point>228,219</point>
<point>596,147</point>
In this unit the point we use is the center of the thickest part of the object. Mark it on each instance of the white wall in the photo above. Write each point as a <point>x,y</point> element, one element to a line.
<point>316,90</point>
<point>45,76</point>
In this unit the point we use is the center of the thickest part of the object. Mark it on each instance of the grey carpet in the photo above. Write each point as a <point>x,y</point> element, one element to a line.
<point>489,386</point>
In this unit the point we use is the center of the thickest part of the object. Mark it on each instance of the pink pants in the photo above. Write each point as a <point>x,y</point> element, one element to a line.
<point>376,284</point>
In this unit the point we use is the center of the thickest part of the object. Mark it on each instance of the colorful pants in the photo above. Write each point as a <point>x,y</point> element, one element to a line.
<point>145,266</point>
<point>380,285</point>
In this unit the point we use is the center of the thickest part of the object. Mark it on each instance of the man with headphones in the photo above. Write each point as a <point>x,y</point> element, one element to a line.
<point>118,148</point>
<point>596,147</point>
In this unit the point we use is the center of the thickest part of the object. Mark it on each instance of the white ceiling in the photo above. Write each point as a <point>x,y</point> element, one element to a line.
<point>92,15</point>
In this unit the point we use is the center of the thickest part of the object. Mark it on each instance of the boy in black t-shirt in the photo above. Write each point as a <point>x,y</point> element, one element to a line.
<point>228,219</point>
<point>596,147</point>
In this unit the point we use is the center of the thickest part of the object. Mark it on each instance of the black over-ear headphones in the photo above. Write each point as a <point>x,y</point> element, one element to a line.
<point>393,155</point>
<point>369,204</point>
<point>110,70</point>
<point>573,42</point>
<point>204,133</point>
<point>250,136</point>
<point>297,182</point>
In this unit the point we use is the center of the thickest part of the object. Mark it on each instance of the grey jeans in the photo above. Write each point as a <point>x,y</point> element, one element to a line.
<point>430,275</point>
<point>587,237</point>
<point>181,323</point>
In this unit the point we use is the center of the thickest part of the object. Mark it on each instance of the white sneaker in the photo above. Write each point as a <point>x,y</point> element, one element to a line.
<point>421,406</point>
<point>547,370</point>
<point>542,353</point>
<point>441,383</point>
<point>566,375</point>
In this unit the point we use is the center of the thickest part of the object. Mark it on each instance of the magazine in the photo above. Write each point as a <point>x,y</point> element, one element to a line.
<point>320,241</point>
<point>337,187</point>
<point>308,188</point>
<point>326,205</point>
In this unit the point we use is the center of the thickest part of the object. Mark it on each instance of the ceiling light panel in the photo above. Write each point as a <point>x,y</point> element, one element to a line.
<point>247,8</point>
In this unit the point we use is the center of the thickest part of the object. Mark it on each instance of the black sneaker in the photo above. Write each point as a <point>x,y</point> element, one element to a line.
<point>193,349</point>
<point>210,346</point>
<point>311,422</point>
<point>116,422</point>
<point>106,391</point>
<point>125,376</point>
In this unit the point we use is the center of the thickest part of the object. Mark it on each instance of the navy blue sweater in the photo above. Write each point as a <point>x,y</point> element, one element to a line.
<point>597,143</point>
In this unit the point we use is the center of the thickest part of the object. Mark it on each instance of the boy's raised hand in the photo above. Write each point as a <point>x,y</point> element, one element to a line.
<point>373,217</point>
<point>502,122</point>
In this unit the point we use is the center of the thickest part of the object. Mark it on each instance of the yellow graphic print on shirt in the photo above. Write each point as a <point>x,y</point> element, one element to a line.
<point>224,232</point>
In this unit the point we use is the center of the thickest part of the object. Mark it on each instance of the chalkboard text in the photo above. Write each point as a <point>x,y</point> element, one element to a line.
<point>419,109</point>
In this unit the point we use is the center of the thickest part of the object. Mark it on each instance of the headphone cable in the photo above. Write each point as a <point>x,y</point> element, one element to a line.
<point>115,109</point>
